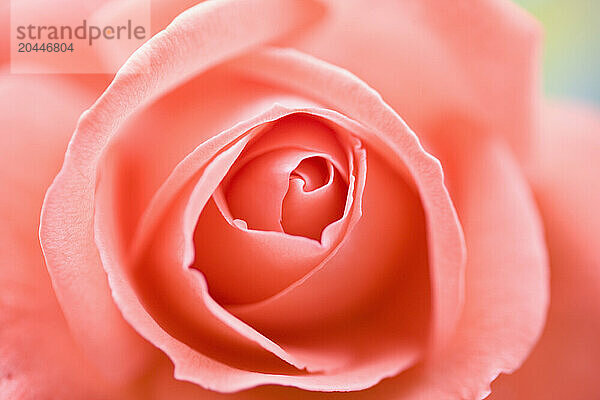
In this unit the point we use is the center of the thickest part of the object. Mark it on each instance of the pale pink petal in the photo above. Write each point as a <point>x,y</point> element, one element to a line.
<point>66,229</point>
<point>163,12</point>
<point>316,380</point>
<point>315,198</point>
<point>345,379</point>
<point>276,260</point>
<point>177,297</point>
<point>39,358</point>
<point>185,367</point>
<point>506,279</point>
<point>184,114</point>
<point>235,277</point>
<point>369,297</point>
<point>506,285</point>
<point>189,363</point>
<point>432,59</point>
<point>565,177</point>
<point>389,136</point>
<point>130,90</point>
<point>290,150</point>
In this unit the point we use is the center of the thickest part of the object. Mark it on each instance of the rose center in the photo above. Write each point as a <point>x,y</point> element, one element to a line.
<point>292,180</point>
<point>288,190</point>
<point>315,198</point>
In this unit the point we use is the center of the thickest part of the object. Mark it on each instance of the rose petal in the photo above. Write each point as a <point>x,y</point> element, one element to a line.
<point>489,51</point>
<point>163,254</point>
<point>320,379</point>
<point>181,69</point>
<point>390,137</point>
<point>367,298</point>
<point>202,369</point>
<point>38,356</point>
<point>506,284</point>
<point>161,268</point>
<point>564,174</point>
<point>395,366</point>
<point>277,260</point>
<point>235,277</point>
<point>66,228</point>
<point>315,198</point>
<point>163,12</point>
<point>184,366</point>
<point>173,127</point>
<point>296,142</point>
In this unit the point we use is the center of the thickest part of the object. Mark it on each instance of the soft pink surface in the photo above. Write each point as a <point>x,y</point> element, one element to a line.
<point>389,136</point>
<point>177,230</point>
<point>506,283</point>
<point>565,177</point>
<point>38,356</point>
<point>87,287</point>
<point>85,151</point>
<point>351,376</point>
<point>433,60</point>
<point>170,323</point>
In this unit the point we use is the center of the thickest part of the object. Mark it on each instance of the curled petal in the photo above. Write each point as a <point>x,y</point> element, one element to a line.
<point>564,175</point>
<point>506,285</point>
<point>347,377</point>
<point>377,124</point>
<point>389,136</point>
<point>66,230</point>
<point>489,50</point>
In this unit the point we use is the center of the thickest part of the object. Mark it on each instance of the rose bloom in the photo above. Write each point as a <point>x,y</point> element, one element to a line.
<point>294,199</point>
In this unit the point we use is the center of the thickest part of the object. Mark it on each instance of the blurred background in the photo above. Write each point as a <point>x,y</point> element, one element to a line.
<point>572,46</point>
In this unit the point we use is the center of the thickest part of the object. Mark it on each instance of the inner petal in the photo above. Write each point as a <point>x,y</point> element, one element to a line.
<point>283,206</point>
<point>315,198</point>
<point>292,179</point>
<point>255,195</point>
<point>313,173</point>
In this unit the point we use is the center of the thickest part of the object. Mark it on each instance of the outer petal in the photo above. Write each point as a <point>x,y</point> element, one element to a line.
<point>565,177</point>
<point>208,372</point>
<point>387,133</point>
<point>154,133</point>
<point>431,58</point>
<point>38,357</point>
<point>211,32</point>
<point>506,285</point>
<point>128,91</point>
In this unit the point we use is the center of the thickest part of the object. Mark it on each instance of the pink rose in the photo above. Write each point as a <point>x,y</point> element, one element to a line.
<point>301,199</point>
